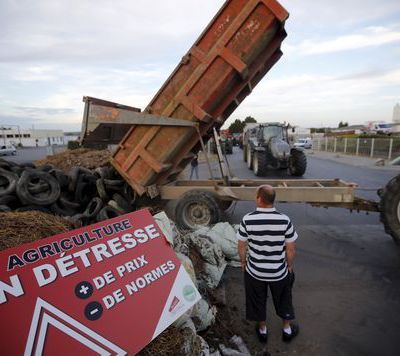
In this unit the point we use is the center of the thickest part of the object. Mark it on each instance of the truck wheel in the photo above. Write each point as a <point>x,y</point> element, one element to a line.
<point>245,153</point>
<point>260,164</point>
<point>389,207</point>
<point>249,158</point>
<point>197,209</point>
<point>297,163</point>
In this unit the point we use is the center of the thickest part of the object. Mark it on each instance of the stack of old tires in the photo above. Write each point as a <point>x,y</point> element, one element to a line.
<point>82,195</point>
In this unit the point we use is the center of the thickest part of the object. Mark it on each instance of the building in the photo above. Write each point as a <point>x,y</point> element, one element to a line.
<point>349,130</point>
<point>299,132</point>
<point>30,137</point>
<point>396,113</point>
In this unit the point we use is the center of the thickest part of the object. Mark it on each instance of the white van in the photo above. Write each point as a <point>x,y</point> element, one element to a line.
<point>304,143</point>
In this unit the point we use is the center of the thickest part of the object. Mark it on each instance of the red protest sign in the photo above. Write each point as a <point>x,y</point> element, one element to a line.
<point>108,288</point>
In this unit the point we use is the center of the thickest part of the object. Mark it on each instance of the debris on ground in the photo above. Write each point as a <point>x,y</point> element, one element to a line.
<point>223,235</point>
<point>82,157</point>
<point>20,228</point>
<point>202,330</point>
<point>207,326</point>
<point>170,342</point>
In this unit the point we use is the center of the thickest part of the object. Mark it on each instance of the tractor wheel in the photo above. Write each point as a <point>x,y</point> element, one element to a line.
<point>389,207</point>
<point>245,153</point>
<point>249,158</point>
<point>260,165</point>
<point>297,163</point>
<point>197,209</point>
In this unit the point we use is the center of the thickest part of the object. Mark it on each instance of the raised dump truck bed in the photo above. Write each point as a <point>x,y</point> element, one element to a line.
<point>232,55</point>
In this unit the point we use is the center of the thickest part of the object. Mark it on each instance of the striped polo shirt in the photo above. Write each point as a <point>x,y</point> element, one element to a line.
<point>266,232</point>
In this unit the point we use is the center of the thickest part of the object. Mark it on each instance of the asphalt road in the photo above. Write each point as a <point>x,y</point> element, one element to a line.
<point>30,154</point>
<point>347,290</point>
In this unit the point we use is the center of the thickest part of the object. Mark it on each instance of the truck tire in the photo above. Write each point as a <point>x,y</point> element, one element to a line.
<point>108,212</point>
<point>93,208</point>
<point>297,163</point>
<point>197,209</point>
<point>245,153</point>
<point>9,182</point>
<point>389,207</point>
<point>249,158</point>
<point>46,198</point>
<point>260,165</point>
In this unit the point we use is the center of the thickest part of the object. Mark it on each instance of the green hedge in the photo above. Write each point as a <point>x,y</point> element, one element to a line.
<point>73,145</point>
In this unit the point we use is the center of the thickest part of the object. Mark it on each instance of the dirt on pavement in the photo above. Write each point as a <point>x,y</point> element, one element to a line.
<point>82,157</point>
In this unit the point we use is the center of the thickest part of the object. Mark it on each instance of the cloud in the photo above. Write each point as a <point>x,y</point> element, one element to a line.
<point>35,111</point>
<point>317,99</point>
<point>326,15</point>
<point>84,31</point>
<point>55,52</point>
<point>368,37</point>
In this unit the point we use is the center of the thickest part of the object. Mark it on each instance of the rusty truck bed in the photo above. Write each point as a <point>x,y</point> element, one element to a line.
<point>232,55</point>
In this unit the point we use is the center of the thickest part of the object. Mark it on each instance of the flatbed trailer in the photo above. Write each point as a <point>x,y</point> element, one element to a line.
<point>203,202</point>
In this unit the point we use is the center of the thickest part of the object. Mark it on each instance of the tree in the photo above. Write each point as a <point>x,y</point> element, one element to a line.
<point>343,124</point>
<point>236,127</point>
<point>250,120</point>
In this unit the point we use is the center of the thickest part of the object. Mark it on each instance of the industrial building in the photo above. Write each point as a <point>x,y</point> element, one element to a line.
<point>30,137</point>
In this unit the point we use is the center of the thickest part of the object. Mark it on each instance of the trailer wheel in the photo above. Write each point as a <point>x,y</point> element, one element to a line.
<point>260,165</point>
<point>249,158</point>
<point>389,207</point>
<point>196,209</point>
<point>297,163</point>
<point>225,204</point>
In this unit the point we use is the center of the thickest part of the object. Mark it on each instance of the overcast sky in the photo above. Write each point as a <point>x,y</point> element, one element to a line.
<point>341,58</point>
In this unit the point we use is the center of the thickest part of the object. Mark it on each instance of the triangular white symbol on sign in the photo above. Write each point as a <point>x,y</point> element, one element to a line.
<point>69,326</point>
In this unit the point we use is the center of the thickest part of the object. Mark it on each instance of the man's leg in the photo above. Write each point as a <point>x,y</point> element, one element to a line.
<point>191,172</point>
<point>256,304</point>
<point>282,296</point>
<point>197,171</point>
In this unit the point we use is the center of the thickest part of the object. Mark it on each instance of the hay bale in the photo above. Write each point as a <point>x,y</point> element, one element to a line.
<point>170,343</point>
<point>20,228</point>
<point>82,157</point>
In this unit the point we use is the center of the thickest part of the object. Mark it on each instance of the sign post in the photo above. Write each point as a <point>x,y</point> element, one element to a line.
<point>108,288</point>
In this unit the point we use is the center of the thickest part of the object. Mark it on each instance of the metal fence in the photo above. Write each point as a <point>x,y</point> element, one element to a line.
<point>387,148</point>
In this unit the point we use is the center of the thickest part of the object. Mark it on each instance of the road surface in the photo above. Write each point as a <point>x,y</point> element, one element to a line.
<point>347,290</point>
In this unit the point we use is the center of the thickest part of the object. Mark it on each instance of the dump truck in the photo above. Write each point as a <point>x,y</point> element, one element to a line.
<point>236,50</point>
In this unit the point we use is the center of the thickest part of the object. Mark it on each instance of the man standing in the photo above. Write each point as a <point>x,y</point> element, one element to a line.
<point>194,167</point>
<point>267,249</point>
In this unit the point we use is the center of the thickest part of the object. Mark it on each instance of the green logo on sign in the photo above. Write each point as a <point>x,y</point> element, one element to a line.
<point>189,293</point>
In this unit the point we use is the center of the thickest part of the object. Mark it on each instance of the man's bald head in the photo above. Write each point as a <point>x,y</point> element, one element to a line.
<point>266,195</point>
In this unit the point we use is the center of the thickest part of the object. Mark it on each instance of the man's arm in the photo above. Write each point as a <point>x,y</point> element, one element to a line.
<point>290,253</point>
<point>290,238</point>
<point>242,249</point>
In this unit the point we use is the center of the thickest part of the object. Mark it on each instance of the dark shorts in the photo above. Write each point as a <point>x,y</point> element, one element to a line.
<point>257,293</point>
